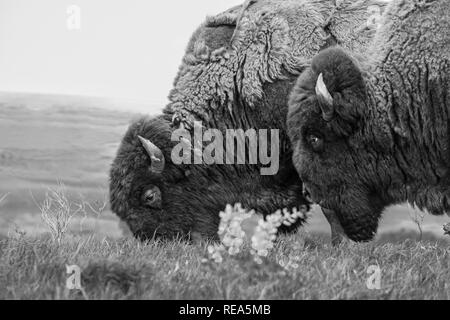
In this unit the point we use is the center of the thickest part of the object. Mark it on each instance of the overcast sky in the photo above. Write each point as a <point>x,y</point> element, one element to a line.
<point>125,48</point>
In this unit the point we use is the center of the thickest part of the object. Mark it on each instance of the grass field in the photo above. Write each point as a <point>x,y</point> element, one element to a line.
<point>35,268</point>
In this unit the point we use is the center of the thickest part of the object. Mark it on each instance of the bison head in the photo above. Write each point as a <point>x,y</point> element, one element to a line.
<point>159,199</point>
<point>139,183</point>
<point>342,157</point>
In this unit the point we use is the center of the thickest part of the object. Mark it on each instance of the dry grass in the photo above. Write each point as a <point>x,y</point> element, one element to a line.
<point>301,266</point>
<point>57,210</point>
<point>127,269</point>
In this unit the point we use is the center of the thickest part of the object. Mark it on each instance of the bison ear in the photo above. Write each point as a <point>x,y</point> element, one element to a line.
<point>218,37</point>
<point>339,86</point>
<point>218,30</point>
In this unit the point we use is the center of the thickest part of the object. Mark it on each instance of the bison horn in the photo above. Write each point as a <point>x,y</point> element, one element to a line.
<point>157,157</point>
<point>325,99</point>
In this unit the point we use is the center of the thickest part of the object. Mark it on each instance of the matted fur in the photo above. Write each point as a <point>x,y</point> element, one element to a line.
<point>233,55</point>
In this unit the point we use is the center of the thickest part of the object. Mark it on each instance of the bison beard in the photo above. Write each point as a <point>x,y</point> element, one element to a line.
<point>372,133</point>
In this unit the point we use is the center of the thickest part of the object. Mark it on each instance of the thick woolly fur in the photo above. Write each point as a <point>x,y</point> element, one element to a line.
<point>388,141</point>
<point>233,57</point>
<point>237,73</point>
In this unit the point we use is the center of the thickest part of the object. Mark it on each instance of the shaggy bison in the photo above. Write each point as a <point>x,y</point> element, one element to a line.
<point>238,71</point>
<point>369,133</point>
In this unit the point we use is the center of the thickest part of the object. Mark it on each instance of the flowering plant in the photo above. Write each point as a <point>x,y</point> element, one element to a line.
<point>233,231</point>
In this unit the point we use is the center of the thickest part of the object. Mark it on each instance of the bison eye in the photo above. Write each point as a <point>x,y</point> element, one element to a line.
<point>152,198</point>
<point>315,142</point>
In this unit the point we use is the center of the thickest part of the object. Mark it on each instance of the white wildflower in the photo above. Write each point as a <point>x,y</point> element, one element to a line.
<point>265,235</point>
<point>233,236</point>
<point>230,230</point>
<point>266,232</point>
<point>215,253</point>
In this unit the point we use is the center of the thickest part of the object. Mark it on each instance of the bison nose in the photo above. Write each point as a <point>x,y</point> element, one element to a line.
<point>306,194</point>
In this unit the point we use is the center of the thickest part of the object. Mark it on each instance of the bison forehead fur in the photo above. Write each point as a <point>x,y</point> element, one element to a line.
<point>368,133</point>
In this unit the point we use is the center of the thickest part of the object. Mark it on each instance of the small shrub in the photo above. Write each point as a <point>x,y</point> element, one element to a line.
<point>57,212</point>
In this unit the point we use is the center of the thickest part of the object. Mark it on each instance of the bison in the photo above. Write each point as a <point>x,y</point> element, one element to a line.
<point>238,71</point>
<point>373,131</point>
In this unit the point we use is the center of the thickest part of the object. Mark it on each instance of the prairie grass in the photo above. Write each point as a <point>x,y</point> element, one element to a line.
<point>300,266</point>
<point>35,268</point>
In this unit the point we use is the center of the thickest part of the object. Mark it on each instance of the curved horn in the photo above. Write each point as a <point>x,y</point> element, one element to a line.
<point>157,157</point>
<point>325,99</point>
